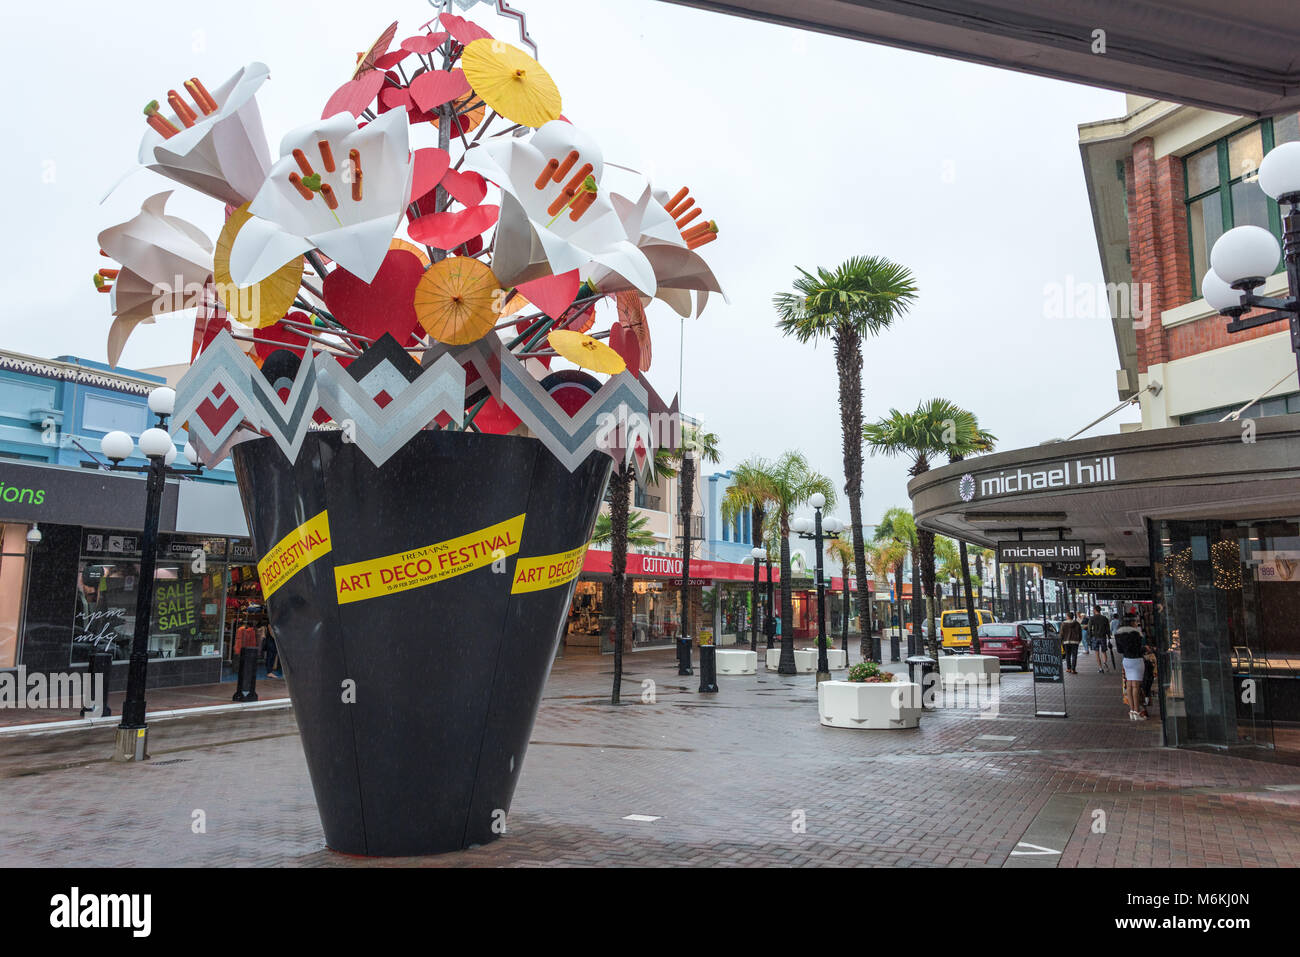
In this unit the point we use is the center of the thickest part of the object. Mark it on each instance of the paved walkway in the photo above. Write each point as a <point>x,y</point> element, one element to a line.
<point>729,778</point>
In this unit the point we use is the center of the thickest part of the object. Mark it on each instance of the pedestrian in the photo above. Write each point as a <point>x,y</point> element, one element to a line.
<point>1148,674</point>
<point>1099,633</point>
<point>272,653</point>
<point>1128,641</point>
<point>1071,635</point>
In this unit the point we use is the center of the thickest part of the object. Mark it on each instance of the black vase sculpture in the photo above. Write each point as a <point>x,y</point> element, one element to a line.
<point>417,608</point>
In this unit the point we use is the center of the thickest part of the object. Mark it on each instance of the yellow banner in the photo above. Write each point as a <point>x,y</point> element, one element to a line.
<point>548,571</point>
<point>306,543</point>
<point>425,566</point>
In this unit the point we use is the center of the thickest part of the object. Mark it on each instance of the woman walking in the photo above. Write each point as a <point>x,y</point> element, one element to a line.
<point>1128,641</point>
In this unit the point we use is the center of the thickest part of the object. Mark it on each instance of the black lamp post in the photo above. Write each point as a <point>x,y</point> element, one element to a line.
<point>156,445</point>
<point>770,623</point>
<point>829,529</point>
<point>757,555</point>
<point>1244,257</point>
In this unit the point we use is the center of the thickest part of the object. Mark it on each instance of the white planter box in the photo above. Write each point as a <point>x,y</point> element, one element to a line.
<point>837,658</point>
<point>869,706</point>
<point>972,668</point>
<point>737,662</point>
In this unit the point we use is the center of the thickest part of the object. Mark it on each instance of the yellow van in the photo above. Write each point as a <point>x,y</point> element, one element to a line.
<point>954,626</point>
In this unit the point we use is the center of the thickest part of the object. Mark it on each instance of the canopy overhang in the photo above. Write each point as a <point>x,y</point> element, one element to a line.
<point>1237,57</point>
<point>1102,490</point>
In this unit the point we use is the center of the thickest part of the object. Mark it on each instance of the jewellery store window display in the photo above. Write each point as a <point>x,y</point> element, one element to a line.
<point>188,603</point>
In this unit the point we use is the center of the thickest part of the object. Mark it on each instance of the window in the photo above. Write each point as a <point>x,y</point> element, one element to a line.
<point>1273,405</point>
<point>1223,189</point>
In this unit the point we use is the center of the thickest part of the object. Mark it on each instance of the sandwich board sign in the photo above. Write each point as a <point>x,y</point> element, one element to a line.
<point>1045,659</point>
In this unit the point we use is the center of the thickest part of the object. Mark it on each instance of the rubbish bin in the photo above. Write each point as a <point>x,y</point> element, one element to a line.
<point>708,668</point>
<point>927,667</point>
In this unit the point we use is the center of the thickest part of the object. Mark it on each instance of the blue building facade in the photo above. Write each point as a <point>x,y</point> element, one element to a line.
<point>726,541</point>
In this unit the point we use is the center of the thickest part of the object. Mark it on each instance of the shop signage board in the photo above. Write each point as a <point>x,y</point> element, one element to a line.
<point>1086,570</point>
<point>1045,659</point>
<point>1040,552</point>
<point>1133,589</point>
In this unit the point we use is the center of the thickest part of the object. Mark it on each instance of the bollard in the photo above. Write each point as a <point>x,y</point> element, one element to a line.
<point>246,690</point>
<point>708,668</point>
<point>101,664</point>
<point>684,656</point>
<point>894,651</point>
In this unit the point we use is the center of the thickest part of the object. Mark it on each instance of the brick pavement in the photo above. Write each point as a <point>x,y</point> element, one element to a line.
<point>727,775</point>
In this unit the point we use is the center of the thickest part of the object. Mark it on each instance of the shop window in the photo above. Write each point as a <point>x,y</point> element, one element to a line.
<point>13,574</point>
<point>1274,405</point>
<point>1222,187</point>
<point>188,607</point>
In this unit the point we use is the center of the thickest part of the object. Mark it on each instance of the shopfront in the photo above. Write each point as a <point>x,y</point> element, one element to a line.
<point>717,591</point>
<point>1199,533</point>
<point>70,591</point>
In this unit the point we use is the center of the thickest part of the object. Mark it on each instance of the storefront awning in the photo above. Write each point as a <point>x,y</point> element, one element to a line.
<point>597,562</point>
<point>1102,490</point>
<point>1238,58</point>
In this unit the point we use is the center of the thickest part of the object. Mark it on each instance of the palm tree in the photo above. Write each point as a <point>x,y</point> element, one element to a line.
<point>793,483</point>
<point>889,558</point>
<point>638,531</point>
<point>968,437</point>
<point>897,525</point>
<point>842,552</point>
<point>751,488</point>
<point>937,427</point>
<point>620,494</point>
<point>863,296</point>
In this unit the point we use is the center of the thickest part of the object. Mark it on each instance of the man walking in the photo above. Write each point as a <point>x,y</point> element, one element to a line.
<point>1071,635</point>
<point>1099,634</point>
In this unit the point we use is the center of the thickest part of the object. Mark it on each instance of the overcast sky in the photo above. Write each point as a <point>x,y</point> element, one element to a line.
<point>804,148</point>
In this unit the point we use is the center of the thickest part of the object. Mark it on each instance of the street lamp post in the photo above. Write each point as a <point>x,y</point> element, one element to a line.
<point>770,622</point>
<point>816,530</point>
<point>757,554</point>
<point>156,445</point>
<point>1245,256</point>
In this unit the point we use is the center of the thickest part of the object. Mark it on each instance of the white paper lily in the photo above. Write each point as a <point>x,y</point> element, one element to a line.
<point>678,271</point>
<point>357,234</point>
<point>224,155</point>
<point>598,236</point>
<point>166,261</point>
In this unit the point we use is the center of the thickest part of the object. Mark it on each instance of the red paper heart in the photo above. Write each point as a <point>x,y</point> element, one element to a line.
<point>552,294</point>
<point>430,166</point>
<point>355,95</point>
<point>391,59</point>
<point>424,43</point>
<point>433,88</point>
<point>280,336</point>
<point>387,304</point>
<point>449,230</point>
<point>465,31</point>
<point>466,188</point>
<point>471,248</point>
<point>394,97</point>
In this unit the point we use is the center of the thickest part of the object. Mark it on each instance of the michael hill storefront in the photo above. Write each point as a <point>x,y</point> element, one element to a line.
<point>1199,530</point>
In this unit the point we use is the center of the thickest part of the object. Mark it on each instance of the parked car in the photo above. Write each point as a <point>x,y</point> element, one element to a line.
<point>1009,642</point>
<point>1035,626</point>
<point>954,626</point>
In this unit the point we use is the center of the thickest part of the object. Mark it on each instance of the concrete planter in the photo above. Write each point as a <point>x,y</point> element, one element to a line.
<point>869,706</point>
<point>837,658</point>
<point>970,668</point>
<point>737,662</point>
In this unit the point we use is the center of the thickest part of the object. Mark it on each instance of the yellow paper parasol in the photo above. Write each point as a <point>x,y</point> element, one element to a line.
<point>586,352</point>
<point>262,303</point>
<point>455,300</point>
<point>511,82</point>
